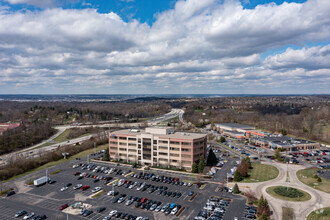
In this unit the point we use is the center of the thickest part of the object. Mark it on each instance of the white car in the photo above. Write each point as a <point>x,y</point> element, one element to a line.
<point>230,190</point>
<point>158,208</point>
<point>96,189</point>
<point>112,213</point>
<point>75,166</point>
<point>174,211</point>
<point>78,186</point>
<point>64,188</point>
<point>28,216</point>
<point>111,193</point>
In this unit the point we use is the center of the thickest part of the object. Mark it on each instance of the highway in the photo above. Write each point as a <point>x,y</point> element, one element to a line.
<point>34,151</point>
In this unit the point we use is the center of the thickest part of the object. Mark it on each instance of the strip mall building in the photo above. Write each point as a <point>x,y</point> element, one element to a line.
<point>156,146</point>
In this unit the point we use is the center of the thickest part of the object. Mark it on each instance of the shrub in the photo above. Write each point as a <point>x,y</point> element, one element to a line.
<point>288,192</point>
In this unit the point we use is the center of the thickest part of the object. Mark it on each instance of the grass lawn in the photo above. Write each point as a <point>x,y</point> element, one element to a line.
<point>305,197</point>
<point>306,176</point>
<point>320,214</point>
<point>62,137</point>
<point>53,163</point>
<point>287,213</point>
<point>261,172</point>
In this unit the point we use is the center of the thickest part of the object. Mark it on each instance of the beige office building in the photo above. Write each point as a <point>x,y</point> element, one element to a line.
<point>157,146</point>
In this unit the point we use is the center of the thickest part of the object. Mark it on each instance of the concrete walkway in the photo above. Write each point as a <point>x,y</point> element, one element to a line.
<point>301,209</point>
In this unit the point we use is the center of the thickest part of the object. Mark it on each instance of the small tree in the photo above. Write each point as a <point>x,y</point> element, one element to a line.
<point>106,155</point>
<point>237,176</point>
<point>283,132</point>
<point>211,159</point>
<point>222,139</point>
<point>277,154</point>
<point>319,179</point>
<point>201,165</point>
<point>194,168</point>
<point>236,189</point>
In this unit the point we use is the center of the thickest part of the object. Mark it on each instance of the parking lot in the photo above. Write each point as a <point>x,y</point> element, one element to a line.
<point>161,187</point>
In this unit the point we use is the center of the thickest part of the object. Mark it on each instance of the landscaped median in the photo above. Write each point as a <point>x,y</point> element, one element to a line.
<point>288,193</point>
<point>310,178</point>
<point>93,196</point>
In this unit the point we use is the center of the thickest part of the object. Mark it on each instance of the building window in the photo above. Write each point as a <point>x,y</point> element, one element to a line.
<point>185,150</point>
<point>113,137</point>
<point>115,143</point>
<point>163,148</point>
<point>174,155</point>
<point>155,141</point>
<point>113,148</point>
<point>175,148</point>
<point>131,144</point>
<point>163,154</point>
<point>122,138</point>
<point>122,149</point>
<point>186,143</point>
<point>175,142</point>
<point>186,156</point>
<point>185,162</point>
<point>163,142</point>
<point>132,139</point>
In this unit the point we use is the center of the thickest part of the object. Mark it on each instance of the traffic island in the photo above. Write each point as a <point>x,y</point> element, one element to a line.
<point>97,194</point>
<point>288,193</point>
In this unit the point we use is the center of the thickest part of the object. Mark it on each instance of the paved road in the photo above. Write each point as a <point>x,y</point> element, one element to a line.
<point>301,209</point>
<point>32,152</point>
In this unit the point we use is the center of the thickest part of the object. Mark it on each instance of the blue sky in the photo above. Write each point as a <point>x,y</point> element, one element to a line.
<point>164,46</point>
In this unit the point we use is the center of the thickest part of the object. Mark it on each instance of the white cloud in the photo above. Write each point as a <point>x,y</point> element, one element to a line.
<point>214,46</point>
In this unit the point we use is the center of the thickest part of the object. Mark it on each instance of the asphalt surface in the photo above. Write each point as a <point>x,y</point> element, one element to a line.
<point>48,198</point>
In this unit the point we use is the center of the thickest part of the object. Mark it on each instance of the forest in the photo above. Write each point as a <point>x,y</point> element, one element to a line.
<point>302,116</point>
<point>39,118</point>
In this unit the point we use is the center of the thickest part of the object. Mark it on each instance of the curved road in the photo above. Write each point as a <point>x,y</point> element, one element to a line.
<point>301,209</point>
<point>31,151</point>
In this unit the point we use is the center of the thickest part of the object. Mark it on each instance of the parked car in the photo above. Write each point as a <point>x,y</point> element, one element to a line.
<point>29,215</point>
<point>20,213</point>
<point>64,206</point>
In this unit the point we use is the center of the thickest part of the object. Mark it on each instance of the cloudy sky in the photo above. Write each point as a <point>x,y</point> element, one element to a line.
<point>164,46</point>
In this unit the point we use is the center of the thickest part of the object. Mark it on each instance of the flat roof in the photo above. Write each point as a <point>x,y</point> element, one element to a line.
<point>236,125</point>
<point>178,135</point>
<point>285,141</point>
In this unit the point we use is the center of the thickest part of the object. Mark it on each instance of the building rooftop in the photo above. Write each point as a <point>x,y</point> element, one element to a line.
<point>285,141</point>
<point>176,135</point>
<point>236,125</point>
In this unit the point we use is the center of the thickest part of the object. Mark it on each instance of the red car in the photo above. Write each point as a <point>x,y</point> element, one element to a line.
<point>76,174</point>
<point>143,200</point>
<point>64,206</point>
<point>85,187</point>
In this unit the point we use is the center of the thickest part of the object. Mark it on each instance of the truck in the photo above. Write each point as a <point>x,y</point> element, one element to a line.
<point>40,181</point>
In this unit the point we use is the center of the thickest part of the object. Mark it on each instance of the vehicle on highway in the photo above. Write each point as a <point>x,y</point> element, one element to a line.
<point>20,213</point>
